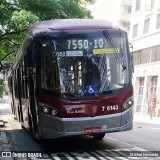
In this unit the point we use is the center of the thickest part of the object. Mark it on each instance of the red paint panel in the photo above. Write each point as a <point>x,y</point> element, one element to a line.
<point>86,107</point>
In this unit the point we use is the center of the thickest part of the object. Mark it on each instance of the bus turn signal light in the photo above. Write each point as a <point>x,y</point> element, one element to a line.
<point>54,112</point>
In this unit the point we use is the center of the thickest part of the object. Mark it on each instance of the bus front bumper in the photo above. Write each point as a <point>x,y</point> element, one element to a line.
<point>53,127</point>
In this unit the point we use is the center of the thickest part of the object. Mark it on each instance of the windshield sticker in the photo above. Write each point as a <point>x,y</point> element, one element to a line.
<point>106,51</point>
<point>74,53</point>
<point>91,89</point>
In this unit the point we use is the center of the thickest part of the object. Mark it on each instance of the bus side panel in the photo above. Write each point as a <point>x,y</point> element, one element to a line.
<point>13,83</point>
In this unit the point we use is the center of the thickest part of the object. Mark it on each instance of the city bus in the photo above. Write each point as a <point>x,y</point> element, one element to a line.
<point>73,77</point>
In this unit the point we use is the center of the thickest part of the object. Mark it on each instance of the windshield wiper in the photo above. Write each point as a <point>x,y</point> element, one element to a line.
<point>112,44</point>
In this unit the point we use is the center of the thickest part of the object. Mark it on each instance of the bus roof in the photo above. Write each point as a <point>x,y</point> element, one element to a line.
<point>69,24</point>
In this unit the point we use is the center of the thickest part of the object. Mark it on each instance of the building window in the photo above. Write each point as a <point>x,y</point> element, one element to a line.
<point>126,25</point>
<point>158,22</point>
<point>135,30</point>
<point>129,9</point>
<point>146,26</point>
<point>149,5</point>
<point>136,58</point>
<point>155,57</point>
<point>126,9</point>
<point>138,3</point>
<point>140,94</point>
<point>154,85</point>
<point>147,55</point>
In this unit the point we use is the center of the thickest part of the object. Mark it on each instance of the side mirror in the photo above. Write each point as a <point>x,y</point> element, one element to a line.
<point>131,48</point>
<point>131,54</point>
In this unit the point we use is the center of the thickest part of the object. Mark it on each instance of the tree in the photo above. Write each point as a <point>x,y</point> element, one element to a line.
<point>17,15</point>
<point>13,33</point>
<point>55,9</point>
<point>13,24</point>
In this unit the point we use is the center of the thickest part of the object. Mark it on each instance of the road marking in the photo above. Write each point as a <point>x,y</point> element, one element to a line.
<point>104,154</point>
<point>151,128</point>
<point>127,144</point>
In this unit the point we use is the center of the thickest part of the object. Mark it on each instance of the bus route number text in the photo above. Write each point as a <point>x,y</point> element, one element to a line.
<point>85,43</point>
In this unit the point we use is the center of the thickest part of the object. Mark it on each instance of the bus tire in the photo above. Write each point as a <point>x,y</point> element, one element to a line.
<point>30,123</point>
<point>98,136</point>
<point>38,137</point>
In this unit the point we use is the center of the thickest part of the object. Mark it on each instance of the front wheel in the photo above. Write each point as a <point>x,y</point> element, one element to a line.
<point>99,136</point>
<point>37,135</point>
<point>37,138</point>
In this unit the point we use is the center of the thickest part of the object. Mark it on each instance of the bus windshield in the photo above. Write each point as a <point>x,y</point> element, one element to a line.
<point>83,64</point>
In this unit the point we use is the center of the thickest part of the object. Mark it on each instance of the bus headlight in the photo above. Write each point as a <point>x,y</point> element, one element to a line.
<point>128,104</point>
<point>45,109</point>
<point>49,110</point>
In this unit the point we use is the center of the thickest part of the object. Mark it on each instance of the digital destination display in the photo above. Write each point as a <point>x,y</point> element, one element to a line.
<point>74,44</point>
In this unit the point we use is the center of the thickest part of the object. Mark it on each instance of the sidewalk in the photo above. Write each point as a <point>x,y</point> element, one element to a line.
<point>4,143</point>
<point>5,146</point>
<point>146,119</point>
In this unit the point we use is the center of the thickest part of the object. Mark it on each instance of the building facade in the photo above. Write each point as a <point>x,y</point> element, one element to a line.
<point>116,11</point>
<point>125,14</point>
<point>144,36</point>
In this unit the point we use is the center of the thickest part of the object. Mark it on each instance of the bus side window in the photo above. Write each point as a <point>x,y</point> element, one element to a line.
<point>16,84</point>
<point>30,59</point>
<point>24,80</point>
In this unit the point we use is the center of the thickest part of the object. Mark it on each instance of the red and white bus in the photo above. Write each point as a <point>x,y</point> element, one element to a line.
<point>73,77</point>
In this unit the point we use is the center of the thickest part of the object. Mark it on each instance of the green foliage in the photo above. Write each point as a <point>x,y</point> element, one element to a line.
<point>55,9</point>
<point>13,23</point>
<point>22,19</point>
<point>2,87</point>
<point>17,15</point>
